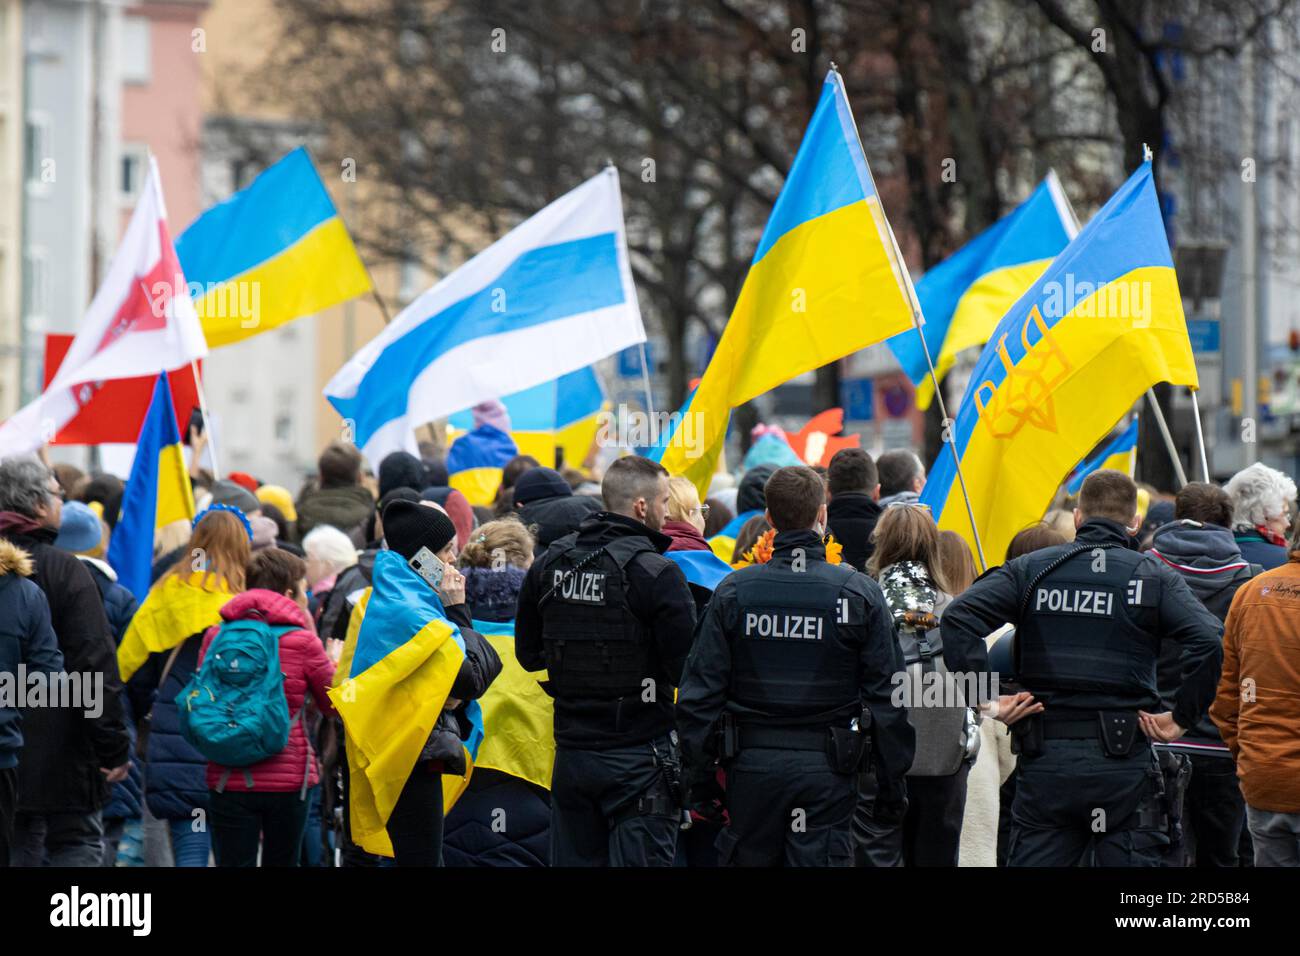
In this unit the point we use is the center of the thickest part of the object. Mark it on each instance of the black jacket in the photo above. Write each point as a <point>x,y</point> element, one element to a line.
<point>26,638</point>
<point>996,599</point>
<point>64,748</point>
<point>659,597</point>
<point>337,611</point>
<point>706,685</point>
<point>479,669</point>
<point>1210,561</point>
<point>550,519</point>
<point>851,517</point>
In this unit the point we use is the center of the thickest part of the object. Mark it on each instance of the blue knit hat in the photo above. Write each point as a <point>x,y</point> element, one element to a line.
<point>79,530</point>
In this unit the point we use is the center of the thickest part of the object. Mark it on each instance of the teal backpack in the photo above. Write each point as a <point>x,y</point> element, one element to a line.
<point>233,710</point>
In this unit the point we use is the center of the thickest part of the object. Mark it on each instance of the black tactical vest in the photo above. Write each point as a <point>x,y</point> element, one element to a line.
<point>595,647</point>
<point>1089,630</point>
<point>789,653</point>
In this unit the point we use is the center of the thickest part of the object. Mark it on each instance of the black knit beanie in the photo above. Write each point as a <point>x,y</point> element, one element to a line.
<point>408,527</point>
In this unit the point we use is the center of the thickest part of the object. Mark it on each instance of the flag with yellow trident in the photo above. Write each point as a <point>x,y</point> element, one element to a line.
<point>1103,324</point>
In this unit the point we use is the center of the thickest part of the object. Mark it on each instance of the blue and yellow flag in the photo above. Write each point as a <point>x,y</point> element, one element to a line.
<point>964,297</point>
<point>826,281</point>
<point>703,569</point>
<point>563,413</point>
<point>399,662</point>
<point>475,461</point>
<point>1120,454</point>
<point>157,493</point>
<point>518,716</point>
<point>1102,325</point>
<point>273,252</point>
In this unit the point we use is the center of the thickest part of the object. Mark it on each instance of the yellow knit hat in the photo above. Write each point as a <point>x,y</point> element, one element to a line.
<point>279,496</point>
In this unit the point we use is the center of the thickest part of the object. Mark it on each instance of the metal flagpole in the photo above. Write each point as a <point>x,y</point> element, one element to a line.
<point>1200,439</point>
<point>207,419</point>
<point>1169,439</point>
<point>917,321</point>
<point>645,379</point>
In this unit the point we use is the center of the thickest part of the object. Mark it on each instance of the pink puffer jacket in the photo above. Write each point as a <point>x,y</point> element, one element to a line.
<point>305,667</point>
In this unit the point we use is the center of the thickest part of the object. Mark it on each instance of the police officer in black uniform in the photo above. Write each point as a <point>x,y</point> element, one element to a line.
<point>610,619</point>
<point>788,685</point>
<point>1090,616</point>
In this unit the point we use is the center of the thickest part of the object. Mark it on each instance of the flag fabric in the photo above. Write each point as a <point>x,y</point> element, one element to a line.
<point>562,414</point>
<point>174,610</point>
<point>399,662</point>
<point>1102,325</point>
<point>704,569</point>
<point>273,252</point>
<point>1120,454</point>
<point>826,280</point>
<point>475,461</point>
<point>518,716</point>
<point>111,412</point>
<point>157,493</point>
<point>141,320</point>
<point>964,297</point>
<point>550,297</point>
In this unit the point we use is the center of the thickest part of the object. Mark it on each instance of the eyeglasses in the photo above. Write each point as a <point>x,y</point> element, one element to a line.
<point>908,504</point>
<point>704,511</point>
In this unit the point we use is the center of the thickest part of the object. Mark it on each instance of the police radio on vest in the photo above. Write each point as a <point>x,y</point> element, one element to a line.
<point>586,587</point>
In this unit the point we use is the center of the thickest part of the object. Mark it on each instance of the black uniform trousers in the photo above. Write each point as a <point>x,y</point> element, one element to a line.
<point>787,808</point>
<point>1076,806</point>
<point>595,815</point>
<point>1214,813</point>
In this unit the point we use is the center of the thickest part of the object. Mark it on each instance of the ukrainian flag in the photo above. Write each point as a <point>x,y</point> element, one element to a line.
<point>563,414</point>
<point>399,662</point>
<point>518,715</point>
<point>964,297</point>
<point>1102,325</point>
<point>826,281</point>
<point>1120,454</point>
<point>273,252</point>
<point>475,461</point>
<point>157,493</point>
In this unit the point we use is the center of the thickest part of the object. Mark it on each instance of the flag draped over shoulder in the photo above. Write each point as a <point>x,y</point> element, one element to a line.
<point>157,493</point>
<point>174,610</point>
<point>964,297</point>
<point>273,252</point>
<point>399,662</point>
<point>563,413</point>
<point>550,297</point>
<point>141,320</point>
<point>518,716</point>
<point>826,281</point>
<point>1102,325</point>
<point>1120,454</point>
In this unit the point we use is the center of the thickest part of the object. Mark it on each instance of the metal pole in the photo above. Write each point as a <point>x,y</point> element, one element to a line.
<point>1200,438</point>
<point>207,419</point>
<point>1169,439</point>
<point>645,379</point>
<point>917,321</point>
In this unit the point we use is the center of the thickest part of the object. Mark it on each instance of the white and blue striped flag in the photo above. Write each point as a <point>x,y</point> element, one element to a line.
<point>551,296</point>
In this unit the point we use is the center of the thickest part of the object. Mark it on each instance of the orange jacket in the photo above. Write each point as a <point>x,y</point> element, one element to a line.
<point>1257,708</point>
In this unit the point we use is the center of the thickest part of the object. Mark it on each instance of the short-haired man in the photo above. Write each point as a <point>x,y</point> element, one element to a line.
<point>852,512</point>
<point>340,500</point>
<point>788,685</point>
<point>1199,545</point>
<point>70,753</point>
<point>902,476</point>
<point>1090,618</point>
<point>610,619</point>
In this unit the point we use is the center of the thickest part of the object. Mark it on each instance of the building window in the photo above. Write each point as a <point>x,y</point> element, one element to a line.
<point>36,142</point>
<point>135,166</point>
<point>136,50</point>
<point>36,275</point>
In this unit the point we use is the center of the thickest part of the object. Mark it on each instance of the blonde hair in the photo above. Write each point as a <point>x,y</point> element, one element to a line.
<point>506,537</point>
<point>1061,521</point>
<point>957,562</point>
<point>220,549</point>
<point>682,498</point>
<point>907,533</point>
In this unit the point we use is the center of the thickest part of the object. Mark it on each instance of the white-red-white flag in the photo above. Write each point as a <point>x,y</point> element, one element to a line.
<point>141,322</point>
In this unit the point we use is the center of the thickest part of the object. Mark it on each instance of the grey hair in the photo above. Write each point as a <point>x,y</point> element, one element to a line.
<point>327,543</point>
<point>23,486</point>
<point>1258,493</point>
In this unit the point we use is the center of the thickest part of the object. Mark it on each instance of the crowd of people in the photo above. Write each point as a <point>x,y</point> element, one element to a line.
<point>661,732</point>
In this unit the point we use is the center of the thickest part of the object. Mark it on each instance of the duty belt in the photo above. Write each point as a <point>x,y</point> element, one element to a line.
<point>1075,726</point>
<point>783,738</point>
